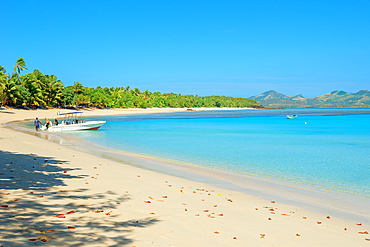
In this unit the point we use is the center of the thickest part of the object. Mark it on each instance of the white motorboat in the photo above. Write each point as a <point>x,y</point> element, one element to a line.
<point>291,116</point>
<point>72,121</point>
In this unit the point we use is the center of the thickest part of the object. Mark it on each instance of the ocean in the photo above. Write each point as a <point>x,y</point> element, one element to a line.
<point>321,150</point>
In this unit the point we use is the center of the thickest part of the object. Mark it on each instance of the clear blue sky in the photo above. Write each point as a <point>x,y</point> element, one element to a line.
<point>233,48</point>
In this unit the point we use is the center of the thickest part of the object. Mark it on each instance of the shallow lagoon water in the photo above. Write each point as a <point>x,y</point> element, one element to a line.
<point>322,147</point>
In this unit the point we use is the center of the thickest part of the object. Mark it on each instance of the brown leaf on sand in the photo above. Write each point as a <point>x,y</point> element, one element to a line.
<point>365,232</point>
<point>345,229</point>
<point>217,232</point>
<point>298,235</point>
<point>95,167</point>
<point>319,222</point>
<point>263,235</point>
<point>197,215</point>
<point>41,196</point>
<point>71,212</point>
<point>304,217</point>
<point>285,214</point>
<point>269,219</point>
<point>169,185</point>
<point>367,239</point>
<point>359,224</point>
<point>272,201</point>
<point>71,227</point>
<point>147,201</point>
<point>45,160</point>
<point>160,200</point>
<point>205,210</point>
<point>164,196</point>
<point>215,206</point>
<point>108,213</point>
<point>98,211</point>
<point>328,217</point>
<point>5,194</point>
<point>151,213</point>
<point>184,204</point>
<point>229,200</point>
<point>186,209</point>
<point>220,214</point>
<point>32,239</point>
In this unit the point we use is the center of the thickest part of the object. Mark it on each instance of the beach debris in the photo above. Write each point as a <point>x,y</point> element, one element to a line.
<point>184,203</point>
<point>95,167</point>
<point>164,196</point>
<point>319,222</point>
<point>234,237</point>
<point>202,200</point>
<point>71,212</point>
<point>304,217</point>
<point>210,216</point>
<point>4,206</point>
<point>217,232</point>
<point>49,230</point>
<point>98,211</point>
<point>118,203</point>
<point>367,239</point>
<point>46,160</point>
<point>108,213</point>
<point>272,201</point>
<point>271,209</point>
<point>256,208</point>
<point>138,176</point>
<point>160,200</point>
<point>32,239</point>
<point>359,224</point>
<point>285,214</point>
<point>220,214</point>
<point>64,171</point>
<point>269,218</point>
<point>41,196</point>
<point>365,232</point>
<point>215,205</point>
<point>345,229</point>
<point>262,235</point>
<point>205,210</point>
<point>151,213</point>
<point>71,227</point>
<point>229,200</point>
<point>169,185</point>
<point>298,235</point>
<point>197,215</point>
<point>328,217</point>
<point>150,197</point>
<point>186,209</point>
<point>147,201</point>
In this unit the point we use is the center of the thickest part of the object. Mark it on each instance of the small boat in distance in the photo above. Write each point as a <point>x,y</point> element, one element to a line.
<point>291,116</point>
<point>72,121</point>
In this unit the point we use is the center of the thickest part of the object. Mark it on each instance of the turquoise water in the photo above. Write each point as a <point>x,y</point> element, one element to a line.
<point>326,148</point>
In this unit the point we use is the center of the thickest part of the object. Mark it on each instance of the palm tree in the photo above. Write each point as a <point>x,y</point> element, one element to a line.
<point>19,65</point>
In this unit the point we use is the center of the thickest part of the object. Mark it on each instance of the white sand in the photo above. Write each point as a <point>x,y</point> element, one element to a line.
<point>180,213</point>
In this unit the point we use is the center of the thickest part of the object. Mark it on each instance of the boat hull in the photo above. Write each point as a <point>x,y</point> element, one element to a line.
<point>90,125</point>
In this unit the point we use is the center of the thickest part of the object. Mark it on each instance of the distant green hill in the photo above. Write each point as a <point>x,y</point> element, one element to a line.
<point>334,99</point>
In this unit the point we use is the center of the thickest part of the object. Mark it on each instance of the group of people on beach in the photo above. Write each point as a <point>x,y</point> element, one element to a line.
<point>47,123</point>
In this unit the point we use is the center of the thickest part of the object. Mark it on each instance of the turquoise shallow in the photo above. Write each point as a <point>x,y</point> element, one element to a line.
<point>324,148</point>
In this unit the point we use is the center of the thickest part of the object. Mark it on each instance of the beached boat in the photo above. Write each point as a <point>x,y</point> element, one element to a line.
<point>72,121</point>
<point>291,116</point>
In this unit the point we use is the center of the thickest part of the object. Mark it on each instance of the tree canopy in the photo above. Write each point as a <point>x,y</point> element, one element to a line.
<point>37,89</point>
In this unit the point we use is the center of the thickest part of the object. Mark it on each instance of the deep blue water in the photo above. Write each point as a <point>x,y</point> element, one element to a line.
<point>328,148</point>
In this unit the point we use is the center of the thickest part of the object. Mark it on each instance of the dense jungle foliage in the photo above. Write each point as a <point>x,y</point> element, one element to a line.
<point>36,89</point>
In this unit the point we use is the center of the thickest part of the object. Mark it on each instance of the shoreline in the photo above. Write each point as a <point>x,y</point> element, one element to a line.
<point>173,222</point>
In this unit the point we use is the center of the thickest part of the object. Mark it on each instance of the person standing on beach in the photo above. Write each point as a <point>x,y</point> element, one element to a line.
<point>47,123</point>
<point>37,124</point>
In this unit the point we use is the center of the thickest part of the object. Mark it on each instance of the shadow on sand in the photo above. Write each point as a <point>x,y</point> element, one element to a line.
<point>32,196</point>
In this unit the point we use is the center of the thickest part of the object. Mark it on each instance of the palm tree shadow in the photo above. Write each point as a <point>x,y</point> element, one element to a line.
<point>33,206</point>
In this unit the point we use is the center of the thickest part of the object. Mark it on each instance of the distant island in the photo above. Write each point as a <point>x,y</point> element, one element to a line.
<point>334,99</point>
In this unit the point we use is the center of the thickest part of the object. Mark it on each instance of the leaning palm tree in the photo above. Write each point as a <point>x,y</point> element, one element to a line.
<point>19,65</point>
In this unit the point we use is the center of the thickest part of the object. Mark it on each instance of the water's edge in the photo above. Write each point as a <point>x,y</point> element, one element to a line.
<point>317,199</point>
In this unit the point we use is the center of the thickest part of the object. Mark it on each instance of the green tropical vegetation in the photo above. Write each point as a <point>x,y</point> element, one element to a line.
<point>334,99</point>
<point>35,89</point>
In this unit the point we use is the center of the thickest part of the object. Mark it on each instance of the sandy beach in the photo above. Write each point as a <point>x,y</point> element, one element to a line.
<point>54,195</point>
